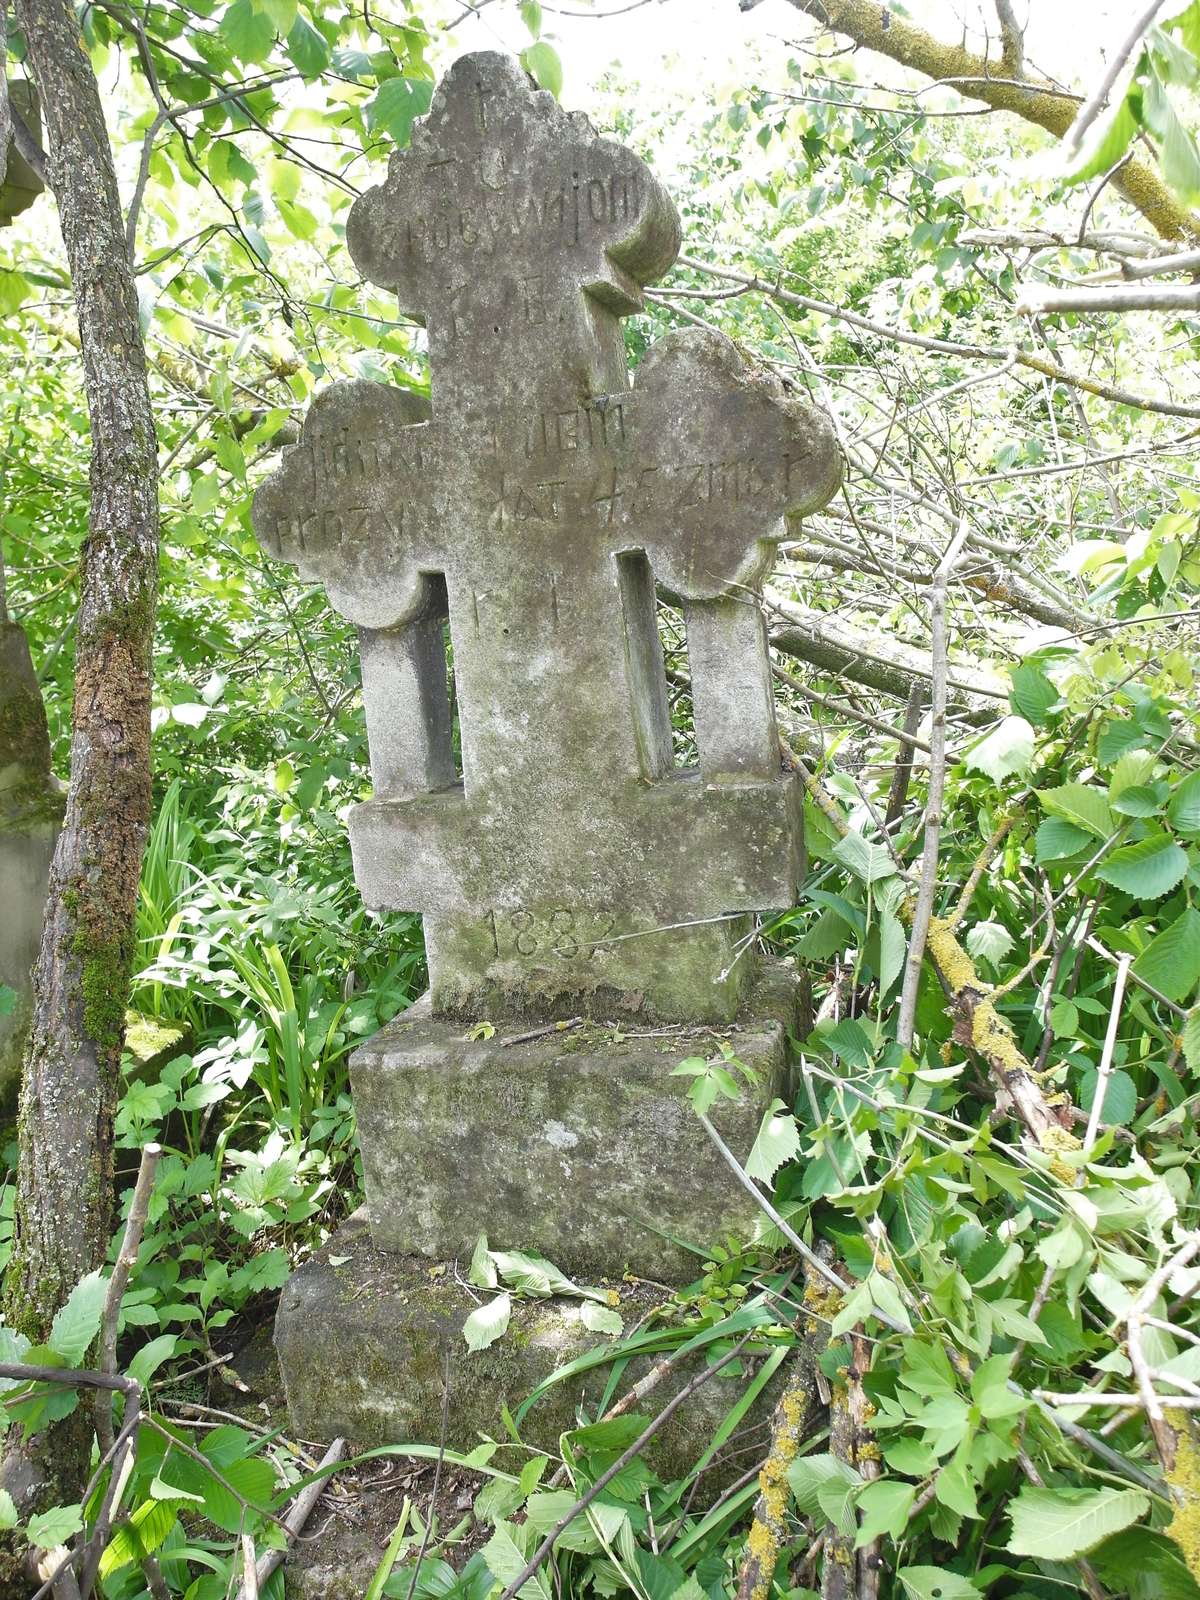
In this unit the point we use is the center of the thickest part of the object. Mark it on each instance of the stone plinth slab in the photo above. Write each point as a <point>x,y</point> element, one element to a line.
<point>579,1145</point>
<point>366,1339</point>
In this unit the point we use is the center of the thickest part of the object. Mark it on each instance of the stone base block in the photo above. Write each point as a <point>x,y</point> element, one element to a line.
<point>578,1145</point>
<point>367,1339</point>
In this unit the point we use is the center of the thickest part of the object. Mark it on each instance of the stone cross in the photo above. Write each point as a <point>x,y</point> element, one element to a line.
<point>569,865</point>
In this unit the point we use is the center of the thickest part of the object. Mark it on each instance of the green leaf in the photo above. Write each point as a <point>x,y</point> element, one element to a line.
<point>883,1508</point>
<point>1007,749</point>
<point>1063,1019</point>
<point>867,861</point>
<point>1183,809</point>
<point>1057,1524</point>
<point>482,1271</point>
<point>1111,138</point>
<point>541,62</point>
<point>49,1529</point>
<point>936,1583</point>
<point>151,1356</point>
<point>77,1323</point>
<point>397,104</point>
<point>1080,805</point>
<point>989,941</point>
<point>307,48</point>
<point>1139,800</point>
<point>488,1322</point>
<point>14,291</point>
<point>602,1319</point>
<point>140,1536</point>
<point>8,1511</point>
<point>248,32</point>
<point>8,1000</point>
<point>1148,869</point>
<point>505,1560</point>
<point>1032,693</point>
<point>1056,839</point>
<point>808,1475</point>
<point>531,16</point>
<point>778,1141</point>
<point>893,946</point>
<point>1191,1039</point>
<point>1120,1097</point>
<point>1171,961</point>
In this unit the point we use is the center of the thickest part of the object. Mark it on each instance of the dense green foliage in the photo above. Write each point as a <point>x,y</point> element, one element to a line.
<point>993,1262</point>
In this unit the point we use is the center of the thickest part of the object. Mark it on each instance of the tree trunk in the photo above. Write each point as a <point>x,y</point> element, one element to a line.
<point>81,980</point>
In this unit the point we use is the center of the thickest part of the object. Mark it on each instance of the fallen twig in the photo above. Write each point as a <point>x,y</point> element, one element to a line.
<point>298,1513</point>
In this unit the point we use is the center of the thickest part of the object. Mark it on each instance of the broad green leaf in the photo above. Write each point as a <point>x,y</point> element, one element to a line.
<point>531,16</point>
<point>48,1529</point>
<point>482,1271</point>
<point>893,947</point>
<point>883,1508</point>
<point>1058,1524</point>
<point>397,104</point>
<point>865,860</point>
<point>541,61</point>
<point>1057,839</point>
<point>936,1583</point>
<point>77,1323</point>
<point>1183,808</point>
<point>1006,750</point>
<point>14,290</point>
<point>1032,693</point>
<point>487,1323</point>
<point>886,1297</point>
<point>1171,961</point>
<point>1064,1019</point>
<point>506,1561</point>
<point>1139,800</point>
<point>1120,1097</point>
<point>141,1536</point>
<point>808,1475</point>
<point>602,1319</point>
<point>1110,139</point>
<point>307,48</point>
<point>778,1141</point>
<point>1191,1039</point>
<point>1080,805</point>
<point>248,32</point>
<point>953,1488</point>
<point>989,941</point>
<point>1148,869</point>
<point>151,1356</point>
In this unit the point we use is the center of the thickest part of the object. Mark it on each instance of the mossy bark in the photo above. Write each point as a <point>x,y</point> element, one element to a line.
<point>81,978</point>
<point>1000,84</point>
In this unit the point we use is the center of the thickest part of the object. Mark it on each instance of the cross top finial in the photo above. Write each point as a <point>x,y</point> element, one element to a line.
<point>518,235</point>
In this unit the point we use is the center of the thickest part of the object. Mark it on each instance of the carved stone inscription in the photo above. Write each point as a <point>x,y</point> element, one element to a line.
<point>539,502</point>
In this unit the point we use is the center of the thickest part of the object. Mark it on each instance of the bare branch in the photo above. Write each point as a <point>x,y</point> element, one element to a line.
<point>1098,99</point>
<point>1036,301</point>
<point>927,887</point>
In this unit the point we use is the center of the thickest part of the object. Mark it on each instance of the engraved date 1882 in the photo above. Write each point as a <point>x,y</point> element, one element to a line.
<point>569,935</point>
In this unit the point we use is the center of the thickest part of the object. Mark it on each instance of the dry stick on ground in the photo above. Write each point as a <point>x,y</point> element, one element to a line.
<point>298,1513</point>
<point>927,886</point>
<point>539,1556</point>
<point>131,1241</point>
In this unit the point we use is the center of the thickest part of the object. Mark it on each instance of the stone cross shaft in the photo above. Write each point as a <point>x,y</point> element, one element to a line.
<point>535,506</point>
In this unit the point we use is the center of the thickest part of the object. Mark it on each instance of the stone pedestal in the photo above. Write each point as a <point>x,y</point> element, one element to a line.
<point>578,1145</point>
<point>367,1339</point>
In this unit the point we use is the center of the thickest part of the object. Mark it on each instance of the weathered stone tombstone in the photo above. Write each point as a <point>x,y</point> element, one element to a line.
<point>566,868</point>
